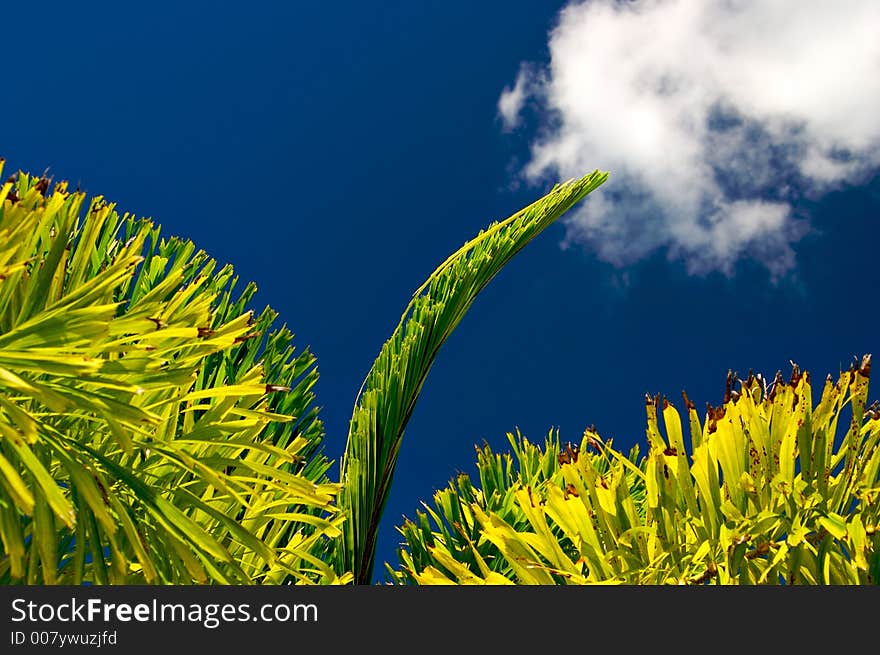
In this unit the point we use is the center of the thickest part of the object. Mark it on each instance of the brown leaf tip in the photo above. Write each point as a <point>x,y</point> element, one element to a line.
<point>592,437</point>
<point>865,368</point>
<point>569,454</point>
<point>728,385</point>
<point>687,401</point>
<point>778,381</point>
<point>42,186</point>
<point>714,414</point>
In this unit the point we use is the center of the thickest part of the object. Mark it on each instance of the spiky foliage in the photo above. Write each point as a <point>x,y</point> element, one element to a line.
<point>151,430</point>
<point>768,492</point>
<point>391,388</point>
<point>449,536</point>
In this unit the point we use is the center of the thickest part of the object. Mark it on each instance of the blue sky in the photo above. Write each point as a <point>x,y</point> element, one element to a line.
<point>336,153</point>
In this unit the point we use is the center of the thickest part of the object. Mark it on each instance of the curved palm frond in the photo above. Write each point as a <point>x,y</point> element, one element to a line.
<point>391,388</point>
<point>150,429</point>
<point>770,493</point>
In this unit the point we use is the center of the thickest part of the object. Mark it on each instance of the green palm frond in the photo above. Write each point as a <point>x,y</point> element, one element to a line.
<point>151,430</point>
<point>767,491</point>
<point>391,388</point>
<point>447,541</point>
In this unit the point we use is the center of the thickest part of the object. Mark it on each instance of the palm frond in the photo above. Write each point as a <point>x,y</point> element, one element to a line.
<point>389,392</point>
<point>151,429</point>
<point>767,492</point>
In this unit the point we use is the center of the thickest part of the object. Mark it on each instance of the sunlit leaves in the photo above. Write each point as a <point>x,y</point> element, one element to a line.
<point>771,492</point>
<point>152,429</point>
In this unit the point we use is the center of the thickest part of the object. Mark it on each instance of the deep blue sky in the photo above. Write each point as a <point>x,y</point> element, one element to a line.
<point>335,153</point>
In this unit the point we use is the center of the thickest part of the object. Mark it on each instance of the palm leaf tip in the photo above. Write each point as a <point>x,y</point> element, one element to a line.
<point>388,395</point>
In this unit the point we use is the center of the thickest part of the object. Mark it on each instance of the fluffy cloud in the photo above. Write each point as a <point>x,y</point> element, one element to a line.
<point>714,117</point>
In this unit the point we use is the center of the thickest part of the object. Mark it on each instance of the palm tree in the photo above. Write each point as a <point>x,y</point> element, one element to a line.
<point>154,430</point>
<point>767,491</point>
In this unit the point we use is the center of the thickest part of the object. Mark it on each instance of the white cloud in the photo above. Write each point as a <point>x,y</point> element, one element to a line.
<point>511,102</point>
<point>712,116</point>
